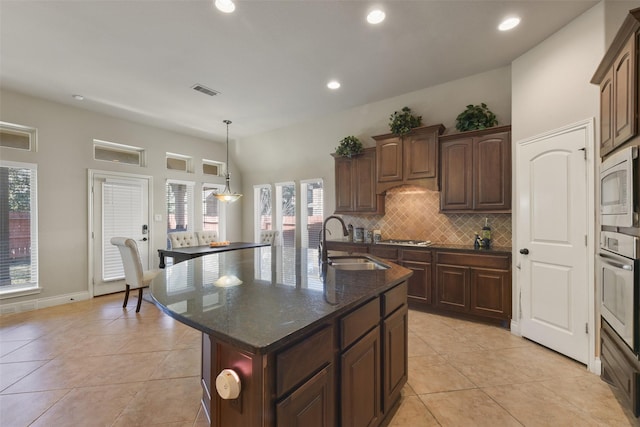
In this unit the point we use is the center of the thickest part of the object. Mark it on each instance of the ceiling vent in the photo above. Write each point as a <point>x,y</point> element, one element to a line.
<point>205,90</point>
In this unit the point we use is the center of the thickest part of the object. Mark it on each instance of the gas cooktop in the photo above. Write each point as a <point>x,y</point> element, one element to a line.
<point>405,242</point>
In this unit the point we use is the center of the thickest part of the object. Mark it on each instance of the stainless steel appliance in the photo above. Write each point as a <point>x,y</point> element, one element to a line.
<point>618,195</point>
<point>400,242</point>
<point>618,266</point>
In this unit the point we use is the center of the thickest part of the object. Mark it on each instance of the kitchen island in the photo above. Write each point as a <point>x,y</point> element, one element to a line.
<point>307,350</point>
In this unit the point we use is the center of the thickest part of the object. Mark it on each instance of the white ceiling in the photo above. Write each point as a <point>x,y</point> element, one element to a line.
<point>270,60</point>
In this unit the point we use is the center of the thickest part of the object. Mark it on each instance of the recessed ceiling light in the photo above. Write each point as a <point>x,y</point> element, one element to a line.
<point>78,97</point>
<point>509,23</point>
<point>376,16</point>
<point>333,84</point>
<point>226,6</point>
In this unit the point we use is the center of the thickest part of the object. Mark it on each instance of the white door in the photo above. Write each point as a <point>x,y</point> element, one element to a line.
<point>552,241</point>
<point>120,207</point>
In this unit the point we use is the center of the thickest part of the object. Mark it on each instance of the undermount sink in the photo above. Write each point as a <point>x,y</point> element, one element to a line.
<point>356,263</point>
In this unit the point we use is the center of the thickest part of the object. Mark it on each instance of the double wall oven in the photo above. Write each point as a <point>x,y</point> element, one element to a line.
<point>619,270</point>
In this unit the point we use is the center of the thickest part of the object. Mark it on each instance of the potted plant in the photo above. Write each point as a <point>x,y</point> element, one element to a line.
<point>403,121</point>
<point>475,117</point>
<point>349,145</point>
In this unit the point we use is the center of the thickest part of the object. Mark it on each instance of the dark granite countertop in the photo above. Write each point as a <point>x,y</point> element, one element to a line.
<point>262,298</point>
<point>446,246</point>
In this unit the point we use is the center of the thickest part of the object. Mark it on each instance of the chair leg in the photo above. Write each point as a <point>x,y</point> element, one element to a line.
<point>139,300</point>
<point>126,296</point>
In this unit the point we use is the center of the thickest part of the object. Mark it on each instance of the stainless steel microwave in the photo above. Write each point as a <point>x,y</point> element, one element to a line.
<point>618,197</point>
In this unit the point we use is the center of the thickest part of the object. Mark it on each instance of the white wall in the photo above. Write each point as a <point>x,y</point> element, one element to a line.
<point>65,153</point>
<point>303,151</point>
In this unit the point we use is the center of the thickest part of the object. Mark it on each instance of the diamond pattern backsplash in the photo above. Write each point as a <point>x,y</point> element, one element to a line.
<point>414,213</point>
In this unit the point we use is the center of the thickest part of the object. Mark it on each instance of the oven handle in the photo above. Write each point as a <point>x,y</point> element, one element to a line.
<point>609,260</point>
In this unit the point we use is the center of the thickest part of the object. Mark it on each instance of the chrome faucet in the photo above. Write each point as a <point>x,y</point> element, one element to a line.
<point>323,242</point>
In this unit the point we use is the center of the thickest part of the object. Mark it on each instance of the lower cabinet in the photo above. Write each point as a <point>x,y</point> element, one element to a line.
<point>473,283</point>
<point>312,404</point>
<point>361,382</point>
<point>395,368</point>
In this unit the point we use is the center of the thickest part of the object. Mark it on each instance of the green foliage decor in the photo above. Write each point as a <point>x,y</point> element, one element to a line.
<point>475,117</point>
<point>402,122</point>
<point>349,145</point>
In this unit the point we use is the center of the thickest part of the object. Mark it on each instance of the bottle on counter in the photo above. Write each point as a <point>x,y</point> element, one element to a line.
<point>486,234</point>
<point>477,241</point>
<point>350,229</point>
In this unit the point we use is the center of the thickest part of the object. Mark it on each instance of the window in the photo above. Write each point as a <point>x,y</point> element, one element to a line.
<point>286,212</point>
<point>210,167</point>
<point>213,211</point>
<point>178,162</point>
<point>312,215</point>
<point>179,206</point>
<point>262,205</point>
<point>18,227</point>
<point>18,137</point>
<point>117,153</point>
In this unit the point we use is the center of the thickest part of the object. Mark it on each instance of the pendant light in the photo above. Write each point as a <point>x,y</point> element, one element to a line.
<point>227,195</point>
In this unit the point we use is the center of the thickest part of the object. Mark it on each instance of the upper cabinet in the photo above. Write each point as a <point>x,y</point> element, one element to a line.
<point>409,159</point>
<point>356,184</point>
<point>617,75</point>
<point>476,171</point>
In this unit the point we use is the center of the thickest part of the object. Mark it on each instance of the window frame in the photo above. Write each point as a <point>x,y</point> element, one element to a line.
<point>31,132</point>
<point>117,147</point>
<point>222,209</point>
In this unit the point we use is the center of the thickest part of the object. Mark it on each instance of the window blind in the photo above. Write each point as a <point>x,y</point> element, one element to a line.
<point>179,206</point>
<point>122,209</point>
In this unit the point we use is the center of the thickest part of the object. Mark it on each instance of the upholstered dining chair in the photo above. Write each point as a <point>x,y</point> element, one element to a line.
<point>182,239</point>
<point>269,236</point>
<point>206,236</point>
<point>134,275</point>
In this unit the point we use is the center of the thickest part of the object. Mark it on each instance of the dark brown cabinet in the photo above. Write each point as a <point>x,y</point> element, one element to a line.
<point>409,159</point>
<point>476,171</point>
<point>395,344</point>
<point>361,382</point>
<point>311,405</point>
<point>617,75</point>
<point>474,283</point>
<point>356,184</point>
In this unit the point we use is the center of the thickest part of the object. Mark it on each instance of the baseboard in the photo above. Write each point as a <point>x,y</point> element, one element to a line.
<point>596,366</point>
<point>515,328</point>
<point>37,303</point>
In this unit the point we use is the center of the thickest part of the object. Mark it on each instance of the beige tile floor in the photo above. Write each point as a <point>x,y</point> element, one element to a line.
<point>92,363</point>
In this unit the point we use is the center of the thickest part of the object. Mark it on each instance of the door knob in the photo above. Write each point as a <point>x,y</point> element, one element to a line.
<point>524,251</point>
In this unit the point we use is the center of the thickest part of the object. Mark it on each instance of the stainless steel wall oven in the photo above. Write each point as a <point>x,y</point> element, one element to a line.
<point>618,266</point>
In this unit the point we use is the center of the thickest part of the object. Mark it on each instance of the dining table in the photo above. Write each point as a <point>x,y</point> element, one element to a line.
<point>190,252</point>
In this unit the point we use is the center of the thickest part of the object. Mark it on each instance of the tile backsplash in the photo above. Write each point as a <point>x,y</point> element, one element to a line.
<point>413,213</point>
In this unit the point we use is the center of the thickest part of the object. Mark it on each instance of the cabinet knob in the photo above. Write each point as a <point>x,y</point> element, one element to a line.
<point>524,251</point>
<point>228,384</point>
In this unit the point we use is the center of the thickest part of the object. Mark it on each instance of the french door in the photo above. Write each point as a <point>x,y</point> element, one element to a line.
<point>119,206</point>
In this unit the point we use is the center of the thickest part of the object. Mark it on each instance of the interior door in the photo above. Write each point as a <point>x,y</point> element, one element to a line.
<point>552,242</point>
<point>120,207</point>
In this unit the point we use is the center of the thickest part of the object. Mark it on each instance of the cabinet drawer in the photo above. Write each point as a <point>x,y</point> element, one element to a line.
<point>384,252</point>
<point>296,364</point>
<point>498,262</point>
<point>415,255</point>
<point>359,322</point>
<point>394,298</point>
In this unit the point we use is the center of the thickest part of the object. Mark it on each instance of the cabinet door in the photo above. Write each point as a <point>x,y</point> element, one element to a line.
<point>491,293</point>
<point>364,180</point>
<point>361,382</point>
<point>606,114</point>
<point>420,282</point>
<point>394,341</point>
<point>389,159</point>
<point>420,155</point>
<point>492,172</point>
<point>344,186</point>
<point>457,163</point>
<point>310,405</point>
<point>452,287</point>
<point>624,94</point>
